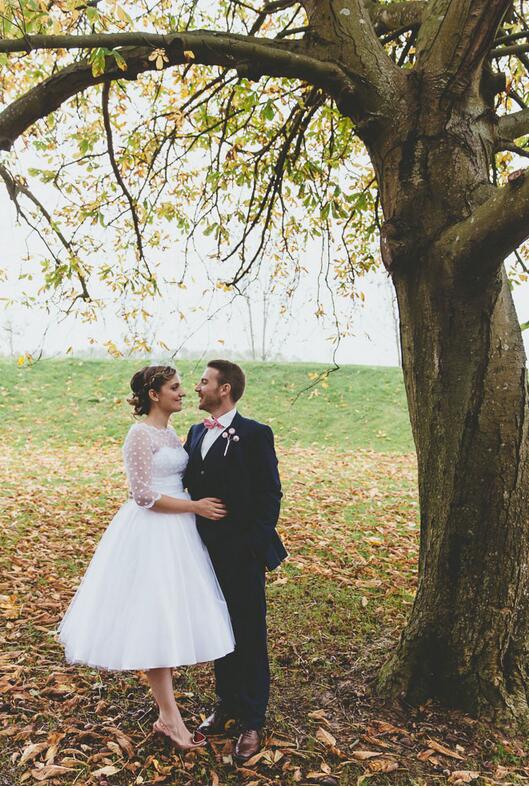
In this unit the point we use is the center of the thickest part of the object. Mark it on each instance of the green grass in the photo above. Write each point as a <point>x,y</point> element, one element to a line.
<point>83,401</point>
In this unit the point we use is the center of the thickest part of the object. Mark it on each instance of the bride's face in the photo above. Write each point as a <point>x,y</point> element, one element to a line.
<point>169,398</point>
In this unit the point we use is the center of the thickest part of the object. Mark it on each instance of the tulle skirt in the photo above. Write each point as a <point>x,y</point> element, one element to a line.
<point>149,598</point>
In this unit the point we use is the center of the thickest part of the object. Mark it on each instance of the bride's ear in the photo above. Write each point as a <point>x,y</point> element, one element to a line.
<point>153,395</point>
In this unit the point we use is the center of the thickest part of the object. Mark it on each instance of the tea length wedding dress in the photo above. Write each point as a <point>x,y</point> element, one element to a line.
<point>150,597</point>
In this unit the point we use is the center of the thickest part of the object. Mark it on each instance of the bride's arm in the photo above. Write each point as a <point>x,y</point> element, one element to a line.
<point>211,508</point>
<point>137,453</point>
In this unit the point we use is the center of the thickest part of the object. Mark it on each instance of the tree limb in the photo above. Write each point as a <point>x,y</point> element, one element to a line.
<point>348,28</point>
<point>394,16</point>
<point>493,230</point>
<point>254,57</point>
<point>455,38</point>
<point>119,178</point>
<point>510,127</point>
<point>515,49</point>
<point>15,187</point>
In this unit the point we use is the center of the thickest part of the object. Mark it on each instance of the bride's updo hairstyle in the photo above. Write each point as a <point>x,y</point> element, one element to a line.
<point>142,382</point>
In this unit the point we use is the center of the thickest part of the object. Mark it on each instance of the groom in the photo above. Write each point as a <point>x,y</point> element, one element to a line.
<point>233,458</point>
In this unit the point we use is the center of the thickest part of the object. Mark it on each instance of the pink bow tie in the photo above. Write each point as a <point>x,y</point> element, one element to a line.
<point>210,423</point>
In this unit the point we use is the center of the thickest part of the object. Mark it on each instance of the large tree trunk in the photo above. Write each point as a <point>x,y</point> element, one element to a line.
<point>466,642</point>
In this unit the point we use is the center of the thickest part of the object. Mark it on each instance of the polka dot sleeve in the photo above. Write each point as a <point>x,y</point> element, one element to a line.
<point>138,454</point>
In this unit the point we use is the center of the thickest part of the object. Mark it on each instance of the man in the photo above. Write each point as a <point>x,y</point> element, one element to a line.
<point>233,458</point>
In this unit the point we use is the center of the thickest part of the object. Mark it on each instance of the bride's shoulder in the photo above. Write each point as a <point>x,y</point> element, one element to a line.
<point>136,430</point>
<point>173,433</point>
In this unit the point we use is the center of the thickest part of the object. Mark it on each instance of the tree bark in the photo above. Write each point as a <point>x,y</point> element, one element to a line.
<point>464,366</point>
<point>467,639</point>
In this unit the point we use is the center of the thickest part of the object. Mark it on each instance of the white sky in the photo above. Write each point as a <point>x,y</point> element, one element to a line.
<point>299,336</point>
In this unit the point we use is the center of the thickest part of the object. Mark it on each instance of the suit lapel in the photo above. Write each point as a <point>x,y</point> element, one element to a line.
<point>201,431</point>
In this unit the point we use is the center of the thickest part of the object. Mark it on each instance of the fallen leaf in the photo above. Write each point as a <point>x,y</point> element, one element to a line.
<point>106,771</point>
<point>319,714</point>
<point>383,765</point>
<point>462,777</point>
<point>325,737</point>
<point>258,757</point>
<point>364,755</point>
<point>435,745</point>
<point>31,752</point>
<point>46,772</point>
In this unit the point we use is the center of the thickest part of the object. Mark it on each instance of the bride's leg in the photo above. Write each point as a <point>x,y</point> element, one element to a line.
<point>161,683</point>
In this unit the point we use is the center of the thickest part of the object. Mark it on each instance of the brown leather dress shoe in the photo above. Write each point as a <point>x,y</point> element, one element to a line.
<point>248,744</point>
<point>218,723</point>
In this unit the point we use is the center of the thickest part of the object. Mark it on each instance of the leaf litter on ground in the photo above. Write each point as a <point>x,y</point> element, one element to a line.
<point>336,607</point>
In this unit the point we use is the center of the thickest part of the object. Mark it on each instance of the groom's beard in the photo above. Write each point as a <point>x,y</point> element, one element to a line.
<point>209,403</point>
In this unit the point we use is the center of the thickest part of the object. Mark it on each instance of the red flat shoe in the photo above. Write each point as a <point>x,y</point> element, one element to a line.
<point>199,738</point>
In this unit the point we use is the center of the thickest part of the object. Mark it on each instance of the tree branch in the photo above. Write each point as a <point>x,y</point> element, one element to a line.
<point>15,187</point>
<point>455,38</point>
<point>112,156</point>
<point>515,49</point>
<point>254,57</point>
<point>349,29</point>
<point>393,16</point>
<point>493,230</point>
<point>510,127</point>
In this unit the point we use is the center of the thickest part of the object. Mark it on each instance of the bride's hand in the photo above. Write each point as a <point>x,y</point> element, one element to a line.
<point>210,508</point>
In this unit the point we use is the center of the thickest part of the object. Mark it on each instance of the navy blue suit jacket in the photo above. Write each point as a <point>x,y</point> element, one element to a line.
<point>246,478</point>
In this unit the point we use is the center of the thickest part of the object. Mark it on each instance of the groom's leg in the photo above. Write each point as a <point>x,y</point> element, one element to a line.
<point>252,650</point>
<point>243,677</point>
<point>227,670</point>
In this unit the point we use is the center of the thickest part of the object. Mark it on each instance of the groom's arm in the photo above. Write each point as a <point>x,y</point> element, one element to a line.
<point>266,489</point>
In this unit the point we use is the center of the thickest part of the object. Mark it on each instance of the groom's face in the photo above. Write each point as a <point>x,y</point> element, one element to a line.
<point>209,391</point>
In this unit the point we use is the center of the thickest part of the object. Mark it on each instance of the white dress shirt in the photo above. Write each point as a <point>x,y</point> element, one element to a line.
<point>211,435</point>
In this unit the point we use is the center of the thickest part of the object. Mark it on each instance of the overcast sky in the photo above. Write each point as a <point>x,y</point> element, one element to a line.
<point>181,319</point>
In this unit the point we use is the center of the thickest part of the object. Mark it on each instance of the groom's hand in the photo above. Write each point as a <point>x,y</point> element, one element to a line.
<point>210,508</point>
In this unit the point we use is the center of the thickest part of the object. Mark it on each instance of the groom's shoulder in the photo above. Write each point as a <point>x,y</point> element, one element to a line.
<point>253,426</point>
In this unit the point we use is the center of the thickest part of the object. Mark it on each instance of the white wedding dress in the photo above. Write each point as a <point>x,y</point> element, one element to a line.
<point>150,597</point>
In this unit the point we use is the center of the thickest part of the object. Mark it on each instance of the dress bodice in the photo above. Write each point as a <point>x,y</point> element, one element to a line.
<point>155,462</point>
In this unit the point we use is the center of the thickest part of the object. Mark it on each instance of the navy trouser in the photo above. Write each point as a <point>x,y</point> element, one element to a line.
<point>243,677</point>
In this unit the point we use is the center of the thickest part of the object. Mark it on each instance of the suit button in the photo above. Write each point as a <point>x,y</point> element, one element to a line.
<point>202,473</point>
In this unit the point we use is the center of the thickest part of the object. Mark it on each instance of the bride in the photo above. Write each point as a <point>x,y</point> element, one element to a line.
<point>150,599</point>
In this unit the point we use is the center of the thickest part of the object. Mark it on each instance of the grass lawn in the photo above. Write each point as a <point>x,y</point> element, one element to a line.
<point>336,607</point>
<point>79,401</point>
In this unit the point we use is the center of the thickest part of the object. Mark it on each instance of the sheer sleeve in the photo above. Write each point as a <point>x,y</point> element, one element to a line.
<point>138,454</point>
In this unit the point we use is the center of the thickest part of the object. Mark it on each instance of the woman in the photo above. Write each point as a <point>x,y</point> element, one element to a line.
<point>150,599</point>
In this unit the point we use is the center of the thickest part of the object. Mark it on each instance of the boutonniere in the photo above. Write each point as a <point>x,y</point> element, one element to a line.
<point>229,435</point>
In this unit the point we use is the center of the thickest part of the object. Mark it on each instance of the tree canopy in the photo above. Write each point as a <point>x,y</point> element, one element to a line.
<point>232,120</point>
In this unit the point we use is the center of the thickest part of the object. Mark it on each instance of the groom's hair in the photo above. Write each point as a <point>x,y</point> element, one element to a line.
<point>231,373</point>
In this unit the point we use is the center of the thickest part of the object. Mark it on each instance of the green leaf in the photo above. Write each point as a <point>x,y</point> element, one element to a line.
<point>120,60</point>
<point>268,111</point>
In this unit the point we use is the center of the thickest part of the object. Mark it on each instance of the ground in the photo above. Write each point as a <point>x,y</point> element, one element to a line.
<point>335,607</point>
